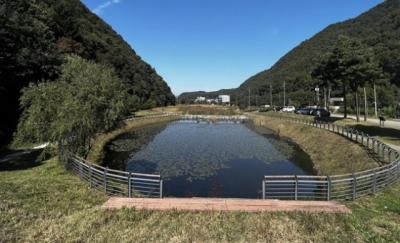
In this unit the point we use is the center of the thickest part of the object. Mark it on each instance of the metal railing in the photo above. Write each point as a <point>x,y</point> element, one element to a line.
<point>232,118</point>
<point>336,187</point>
<point>123,183</point>
<point>114,182</point>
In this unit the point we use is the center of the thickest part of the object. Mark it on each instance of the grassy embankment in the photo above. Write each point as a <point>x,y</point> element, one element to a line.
<point>208,110</point>
<point>330,153</point>
<point>385,134</point>
<point>41,202</point>
<point>193,110</point>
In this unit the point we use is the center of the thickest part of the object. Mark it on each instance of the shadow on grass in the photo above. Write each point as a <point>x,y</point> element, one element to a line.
<point>20,160</point>
<point>329,119</point>
<point>390,134</point>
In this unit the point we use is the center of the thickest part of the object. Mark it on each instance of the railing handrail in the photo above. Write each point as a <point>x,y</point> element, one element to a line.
<point>381,176</point>
<point>117,182</point>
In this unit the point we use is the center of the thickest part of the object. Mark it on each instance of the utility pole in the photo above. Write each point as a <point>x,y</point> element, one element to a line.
<point>279,98</point>
<point>249,98</point>
<point>270,94</point>
<point>365,105</point>
<point>236,99</point>
<point>375,102</point>
<point>256,100</point>
<point>284,93</point>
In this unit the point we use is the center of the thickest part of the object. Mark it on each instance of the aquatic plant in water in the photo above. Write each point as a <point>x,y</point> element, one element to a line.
<point>199,150</point>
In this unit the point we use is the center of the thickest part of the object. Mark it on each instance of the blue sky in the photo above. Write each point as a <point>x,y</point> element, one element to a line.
<point>213,44</point>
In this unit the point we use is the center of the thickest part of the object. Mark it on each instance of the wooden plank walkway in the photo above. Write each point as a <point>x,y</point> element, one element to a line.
<point>225,204</point>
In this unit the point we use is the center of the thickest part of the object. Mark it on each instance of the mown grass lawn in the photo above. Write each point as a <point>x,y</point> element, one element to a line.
<point>41,202</point>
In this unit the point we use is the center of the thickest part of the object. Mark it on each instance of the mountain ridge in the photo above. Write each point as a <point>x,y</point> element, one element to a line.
<point>377,28</point>
<point>36,35</point>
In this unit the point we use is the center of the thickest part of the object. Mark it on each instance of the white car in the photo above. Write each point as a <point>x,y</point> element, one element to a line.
<point>288,109</point>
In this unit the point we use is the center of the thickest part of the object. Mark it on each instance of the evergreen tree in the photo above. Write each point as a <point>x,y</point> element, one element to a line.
<point>350,66</point>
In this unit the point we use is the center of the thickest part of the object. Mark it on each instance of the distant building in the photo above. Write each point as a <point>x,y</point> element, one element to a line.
<point>200,99</point>
<point>224,99</point>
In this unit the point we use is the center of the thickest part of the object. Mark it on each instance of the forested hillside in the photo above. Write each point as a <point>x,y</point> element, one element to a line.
<point>378,28</point>
<point>36,34</point>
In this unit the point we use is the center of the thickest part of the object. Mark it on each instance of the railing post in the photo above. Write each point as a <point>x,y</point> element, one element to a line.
<point>398,169</point>
<point>354,186</point>
<point>90,175</point>
<point>380,148</point>
<point>161,188</point>
<point>390,156</point>
<point>105,180</point>
<point>80,169</point>
<point>374,145</point>
<point>374,183</point>
<point>296,187</point>
<point>129,184</point>
<point>328,178</point>
<point>263,189</point>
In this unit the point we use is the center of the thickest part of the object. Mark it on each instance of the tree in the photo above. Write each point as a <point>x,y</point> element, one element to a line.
<point>85,100</point>
<point>361,68</point>
<point>35,35</point>
<point>350,66</point>
<point>28,54</point>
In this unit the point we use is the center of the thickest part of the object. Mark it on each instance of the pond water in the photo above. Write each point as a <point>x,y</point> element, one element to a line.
<point>201,159</point>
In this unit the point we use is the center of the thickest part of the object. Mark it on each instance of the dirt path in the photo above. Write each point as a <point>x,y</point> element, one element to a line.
<point>222,204</point>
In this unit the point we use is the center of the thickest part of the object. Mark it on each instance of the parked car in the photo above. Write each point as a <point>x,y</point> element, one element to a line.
<point>303,111</point>
<point>320,112</point>
<point>288,109</point>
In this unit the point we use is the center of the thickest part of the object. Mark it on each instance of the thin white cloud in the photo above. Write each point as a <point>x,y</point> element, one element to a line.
<point>99,9</point>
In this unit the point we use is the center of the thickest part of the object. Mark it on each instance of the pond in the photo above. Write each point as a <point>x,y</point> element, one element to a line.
<point>203,159</point>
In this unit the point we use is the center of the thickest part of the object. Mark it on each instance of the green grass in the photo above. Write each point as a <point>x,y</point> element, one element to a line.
<point>41,202</point>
